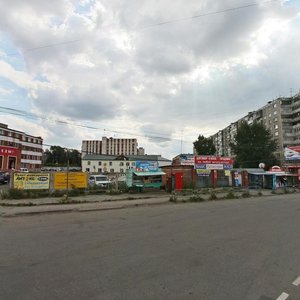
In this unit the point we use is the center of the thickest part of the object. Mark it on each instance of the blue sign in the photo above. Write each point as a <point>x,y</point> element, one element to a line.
<point>146,166</point>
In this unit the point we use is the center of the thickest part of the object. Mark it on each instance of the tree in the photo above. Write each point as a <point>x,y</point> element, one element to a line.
<point>204,146</point>
<point>57,156</point>
<point>253,144</point>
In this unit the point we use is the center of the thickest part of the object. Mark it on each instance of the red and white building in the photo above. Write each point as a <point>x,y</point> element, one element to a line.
<point>19,150</point>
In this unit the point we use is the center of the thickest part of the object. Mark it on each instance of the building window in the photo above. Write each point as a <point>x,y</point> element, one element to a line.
<point>275,112</point>
<point>276,133</point>
<point>110,163</point>
<point>121,170</point>
<point>89,163</point>
<point>100,170</point>
<point>127,164</point>
<point>276,126</point>
<point>99,163</point>
<point>112,171</point>
<point>121,163</point>
<point>87,169</point>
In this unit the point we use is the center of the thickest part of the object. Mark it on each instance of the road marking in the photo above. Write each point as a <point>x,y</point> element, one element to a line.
<point>283,296</point>
<point>297,281</point>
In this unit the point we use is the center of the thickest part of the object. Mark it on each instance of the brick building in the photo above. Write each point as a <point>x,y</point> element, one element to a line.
<point>19,149</point>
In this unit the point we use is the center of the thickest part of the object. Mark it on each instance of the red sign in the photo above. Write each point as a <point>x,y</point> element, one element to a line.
<point>204,159</point>
<point>8,151</point>
<point>275,169</point>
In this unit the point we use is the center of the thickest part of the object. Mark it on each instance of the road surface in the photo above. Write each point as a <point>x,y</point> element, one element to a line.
<point>233,249</point>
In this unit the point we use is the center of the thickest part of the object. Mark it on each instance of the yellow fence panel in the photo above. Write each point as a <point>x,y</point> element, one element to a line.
<point>76,180</point>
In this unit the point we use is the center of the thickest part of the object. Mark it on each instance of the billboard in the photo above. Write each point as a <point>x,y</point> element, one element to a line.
<point>31,181</point>
<point>292,153</point>
<point>187,160</point>
<point>208,162</point>
<point>146,166</point>
<point>76,180</point>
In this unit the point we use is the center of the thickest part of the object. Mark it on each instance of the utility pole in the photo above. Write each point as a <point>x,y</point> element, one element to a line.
<point>68,165</point>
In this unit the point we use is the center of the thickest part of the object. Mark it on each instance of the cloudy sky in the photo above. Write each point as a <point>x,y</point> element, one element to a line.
<point>161,71</point>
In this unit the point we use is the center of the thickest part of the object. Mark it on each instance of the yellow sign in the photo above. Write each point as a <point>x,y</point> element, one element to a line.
<point>227,173</point>
<point>76,180</point>
<point>31,181</point>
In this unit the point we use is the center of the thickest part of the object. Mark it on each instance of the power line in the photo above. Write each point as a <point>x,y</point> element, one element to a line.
<point>17,112</point>
<point>179,20</point>
<point>207,14</point>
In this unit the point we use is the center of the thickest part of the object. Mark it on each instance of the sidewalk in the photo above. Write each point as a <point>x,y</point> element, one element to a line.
<point>89,203</point>
<point>11,208</point>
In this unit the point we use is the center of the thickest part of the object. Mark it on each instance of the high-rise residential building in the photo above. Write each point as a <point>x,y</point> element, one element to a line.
<point>111,146</point>
<point>280,116</point>
<point>19,149</point>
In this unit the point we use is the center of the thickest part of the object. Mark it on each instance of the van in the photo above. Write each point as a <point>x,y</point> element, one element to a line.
<point>99,180</point>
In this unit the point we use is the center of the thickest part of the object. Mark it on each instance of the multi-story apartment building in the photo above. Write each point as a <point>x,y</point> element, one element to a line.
<point>280,116</point>
<point>26,149</point>
<point>111,146</point>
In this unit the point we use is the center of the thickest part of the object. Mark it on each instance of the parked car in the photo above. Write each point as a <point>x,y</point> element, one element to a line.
<point>99,180</point>
<point>24,170</point>
<point>4,177</point>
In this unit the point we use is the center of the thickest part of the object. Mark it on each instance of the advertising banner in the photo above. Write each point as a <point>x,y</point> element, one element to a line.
<point>76,180</point>
<point>31,181</point>
<point>146,166</point>
<point>213,162</point>
<point>292,153</point>
<point>187,160</point>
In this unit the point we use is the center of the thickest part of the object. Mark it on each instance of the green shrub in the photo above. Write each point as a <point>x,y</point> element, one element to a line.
<point>57,193</point>
<point>16,194</point>
<point>113,192</point>
<point>230,195</point>
<point>173,197</point>
<point>246,194</point>
<point>196,198</point>
<point>213,196</point>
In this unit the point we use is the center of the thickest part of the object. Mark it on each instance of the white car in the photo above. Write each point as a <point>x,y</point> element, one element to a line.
<point>100,180</point>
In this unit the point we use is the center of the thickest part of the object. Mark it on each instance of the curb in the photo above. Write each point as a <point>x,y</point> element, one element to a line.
<point>32,213</point>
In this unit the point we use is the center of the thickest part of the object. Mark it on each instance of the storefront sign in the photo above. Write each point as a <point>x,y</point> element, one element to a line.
<point>31,181</point>
<point>8,151</point>
<point>213,162</point>
<point>76,180</point>
<point>203,172</point>
<point>146,166</point>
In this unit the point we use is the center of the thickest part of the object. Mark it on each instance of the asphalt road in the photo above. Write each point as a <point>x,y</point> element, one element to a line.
<point>235,249</point>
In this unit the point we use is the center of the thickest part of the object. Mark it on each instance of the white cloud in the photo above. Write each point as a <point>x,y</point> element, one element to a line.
<point>194,76</point>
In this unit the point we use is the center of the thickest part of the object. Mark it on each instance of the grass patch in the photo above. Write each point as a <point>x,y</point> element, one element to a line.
<point>173,198</point>
<point>196,198</point>
<point>246,194</point>
<point>230,195</point>
<point>213,196</point>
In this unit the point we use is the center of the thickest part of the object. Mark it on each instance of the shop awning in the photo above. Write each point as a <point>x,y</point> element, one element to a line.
<point>158,173</point>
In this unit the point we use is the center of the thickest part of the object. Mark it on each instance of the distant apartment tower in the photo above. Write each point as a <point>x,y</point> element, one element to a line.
<point>26,150</point>
<point>111,146</point>
<point>280,116</point>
